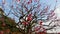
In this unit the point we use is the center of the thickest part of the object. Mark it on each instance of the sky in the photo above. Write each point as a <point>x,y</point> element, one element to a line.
<point>47,2</point>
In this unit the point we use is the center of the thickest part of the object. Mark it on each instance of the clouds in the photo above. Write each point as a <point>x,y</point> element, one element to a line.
<point>57,12</point>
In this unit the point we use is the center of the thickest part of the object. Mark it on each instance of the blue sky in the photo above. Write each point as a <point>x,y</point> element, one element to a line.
<point>48,2</point>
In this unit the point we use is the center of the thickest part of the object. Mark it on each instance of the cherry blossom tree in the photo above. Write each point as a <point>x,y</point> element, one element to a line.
<point>32,16</point>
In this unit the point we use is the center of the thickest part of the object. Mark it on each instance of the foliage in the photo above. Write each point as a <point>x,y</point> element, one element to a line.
<point>8,26</point>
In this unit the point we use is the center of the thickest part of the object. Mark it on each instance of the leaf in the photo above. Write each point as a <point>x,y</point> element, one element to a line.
<point>30,1</point>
